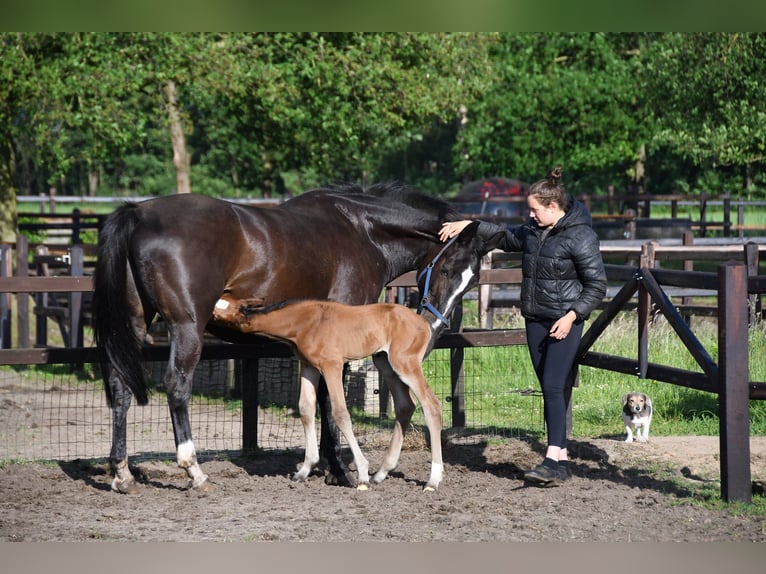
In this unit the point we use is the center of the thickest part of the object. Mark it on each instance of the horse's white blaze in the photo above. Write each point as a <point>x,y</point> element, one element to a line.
<point>186,454</point>
<point>465,279</point>
<point>221,304</point>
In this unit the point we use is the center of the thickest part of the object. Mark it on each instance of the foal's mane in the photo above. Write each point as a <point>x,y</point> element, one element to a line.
<point>248,310</point>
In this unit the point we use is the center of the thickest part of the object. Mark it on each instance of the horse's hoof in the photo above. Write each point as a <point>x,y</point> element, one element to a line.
<point>363,486</point>
<point>199,483</point>
<point>331,479</point>
<point>125,486</point>
<point>429,489</point>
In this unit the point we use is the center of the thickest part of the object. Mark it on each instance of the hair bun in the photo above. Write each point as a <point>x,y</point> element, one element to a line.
<point>554,175</point>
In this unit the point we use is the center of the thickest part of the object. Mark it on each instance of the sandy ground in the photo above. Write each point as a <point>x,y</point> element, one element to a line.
<point>620,492</point>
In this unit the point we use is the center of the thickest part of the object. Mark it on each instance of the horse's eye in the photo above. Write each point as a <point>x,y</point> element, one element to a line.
<point>445,272</point>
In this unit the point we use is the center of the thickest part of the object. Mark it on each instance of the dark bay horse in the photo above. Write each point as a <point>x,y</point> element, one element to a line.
<point>325,335</point>
<point>174,256</point>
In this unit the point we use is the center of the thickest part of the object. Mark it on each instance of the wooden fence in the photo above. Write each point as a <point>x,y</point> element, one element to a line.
<point>728,378</point>
<point>629,216</point>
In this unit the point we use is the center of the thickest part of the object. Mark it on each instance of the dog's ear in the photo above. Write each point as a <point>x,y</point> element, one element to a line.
<point>624,399</point>
<point>648,401</point>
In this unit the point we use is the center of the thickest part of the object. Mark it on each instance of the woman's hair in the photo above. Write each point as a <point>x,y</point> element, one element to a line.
<point>550,189</point>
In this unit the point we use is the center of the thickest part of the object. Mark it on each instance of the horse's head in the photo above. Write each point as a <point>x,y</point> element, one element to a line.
<point>448,271</point>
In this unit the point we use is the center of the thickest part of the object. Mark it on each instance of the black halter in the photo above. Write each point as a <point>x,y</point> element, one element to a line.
<point>424,302</point>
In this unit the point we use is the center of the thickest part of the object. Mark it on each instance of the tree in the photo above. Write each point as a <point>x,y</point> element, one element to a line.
<point>707,96</point>
<point>567,99</point>
<point>330,106</point>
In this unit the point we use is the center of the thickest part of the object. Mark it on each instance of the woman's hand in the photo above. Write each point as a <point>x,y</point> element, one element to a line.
<point>452,228</point>
<point>560,329</point>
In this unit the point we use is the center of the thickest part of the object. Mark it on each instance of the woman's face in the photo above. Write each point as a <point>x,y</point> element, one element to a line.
<point>543,216</point>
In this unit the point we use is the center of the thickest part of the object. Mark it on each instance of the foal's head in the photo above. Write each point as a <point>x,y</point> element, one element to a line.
<point>234,313</point>
<point>449,270</point>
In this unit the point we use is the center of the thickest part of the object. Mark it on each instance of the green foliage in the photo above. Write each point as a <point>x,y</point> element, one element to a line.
<point>274,113</point>
<point>706,93</point>
<point>564,99</point>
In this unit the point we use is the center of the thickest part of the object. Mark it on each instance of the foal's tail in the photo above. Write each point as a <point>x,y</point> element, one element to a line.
<point>120,348</point>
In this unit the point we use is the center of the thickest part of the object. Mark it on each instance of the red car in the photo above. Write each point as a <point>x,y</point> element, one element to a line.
<point>496,196</point>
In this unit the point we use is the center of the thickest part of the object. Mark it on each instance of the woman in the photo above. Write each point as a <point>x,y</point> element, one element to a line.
<point>563,281</point>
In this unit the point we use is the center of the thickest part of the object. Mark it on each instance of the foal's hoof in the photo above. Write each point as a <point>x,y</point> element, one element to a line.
<point>363,486</point>
<point>429,489</point>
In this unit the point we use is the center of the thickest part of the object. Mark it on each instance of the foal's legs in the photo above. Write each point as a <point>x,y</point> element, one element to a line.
<point>410,374</point>
<point>307,408</point>
<point>185,350</point>
<point>432,411</point>
<point>333,374</point>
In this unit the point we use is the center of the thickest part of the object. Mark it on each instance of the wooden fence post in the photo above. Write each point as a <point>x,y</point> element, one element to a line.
<point>688,265</point>
<point>752,262</point>
<point>733,386</point>
<point>41,302</point>
<point>6,270</point>
<point>76,226</point>
<point>644,310</point>
<point>76,269</point>
<point>22,299</point>
<point>247,373</point>
<point>486,316</point>
<point>703,214</point>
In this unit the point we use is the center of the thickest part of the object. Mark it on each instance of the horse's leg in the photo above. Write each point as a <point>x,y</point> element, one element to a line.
<point>185,350</point>
<point>307,406</point>
<point>123,480</point>
<point>329,441</point>
<point>334,377</point>
<point>121,398</point>
<point>404,408</point>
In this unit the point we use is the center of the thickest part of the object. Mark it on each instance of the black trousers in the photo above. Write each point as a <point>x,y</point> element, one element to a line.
<point>554,364</point>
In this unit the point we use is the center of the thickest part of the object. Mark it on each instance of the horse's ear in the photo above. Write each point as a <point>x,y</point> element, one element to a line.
<point>468,233</point>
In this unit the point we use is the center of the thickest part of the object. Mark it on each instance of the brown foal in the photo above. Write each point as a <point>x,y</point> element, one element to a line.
<point>327,334</point>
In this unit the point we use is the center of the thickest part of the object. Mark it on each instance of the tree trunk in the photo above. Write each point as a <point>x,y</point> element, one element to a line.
<point>640,177</point>
<point>7,193</point>
<point>180,155</point>
<point>93,180</point>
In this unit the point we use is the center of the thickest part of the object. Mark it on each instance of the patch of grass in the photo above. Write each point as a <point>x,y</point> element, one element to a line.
<point>597,399</point>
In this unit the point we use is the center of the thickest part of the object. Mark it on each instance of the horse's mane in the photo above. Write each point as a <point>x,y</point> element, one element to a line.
<point>401,193</point>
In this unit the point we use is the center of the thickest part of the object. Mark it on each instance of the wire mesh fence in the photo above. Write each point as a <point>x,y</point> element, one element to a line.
<point>48,412</point>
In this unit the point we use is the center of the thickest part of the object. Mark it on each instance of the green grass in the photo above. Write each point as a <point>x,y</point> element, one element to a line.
<point>596,401</point>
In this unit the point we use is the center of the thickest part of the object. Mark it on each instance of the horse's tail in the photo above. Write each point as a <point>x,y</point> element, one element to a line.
<point>120,348</point>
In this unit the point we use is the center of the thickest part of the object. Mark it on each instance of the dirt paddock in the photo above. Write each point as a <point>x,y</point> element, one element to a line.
<point>620,492</point>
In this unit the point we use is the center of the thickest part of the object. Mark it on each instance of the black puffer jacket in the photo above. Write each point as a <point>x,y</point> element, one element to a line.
<point>561,271</point>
